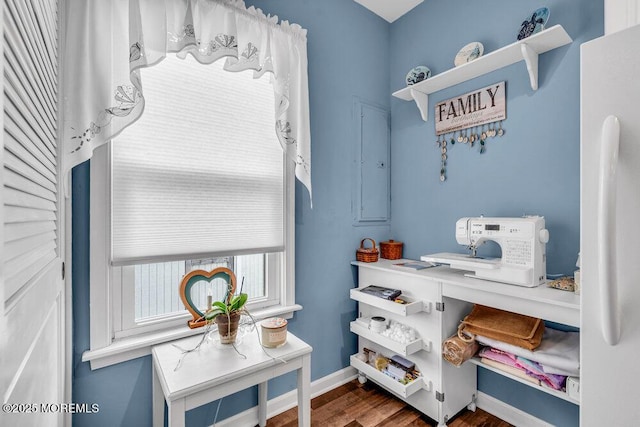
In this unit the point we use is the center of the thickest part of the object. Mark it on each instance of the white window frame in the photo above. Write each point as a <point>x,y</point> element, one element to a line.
<point>105,302</point>
<point>125,325</point>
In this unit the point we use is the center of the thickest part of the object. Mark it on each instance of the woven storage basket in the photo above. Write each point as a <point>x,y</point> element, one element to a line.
<point>517,329</point>
<point>391,249</point>
<point>367,254</point>
<point>456,351</point>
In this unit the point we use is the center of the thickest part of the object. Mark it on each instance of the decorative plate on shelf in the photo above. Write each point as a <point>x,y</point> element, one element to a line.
<point>468,53</point>
<point>534,23</point>
<point>418,74</point>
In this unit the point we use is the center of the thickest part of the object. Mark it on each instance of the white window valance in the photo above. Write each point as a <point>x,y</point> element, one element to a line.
<point>107,42</point>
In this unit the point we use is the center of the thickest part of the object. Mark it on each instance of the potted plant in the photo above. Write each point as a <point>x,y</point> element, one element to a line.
<point>226,314</point>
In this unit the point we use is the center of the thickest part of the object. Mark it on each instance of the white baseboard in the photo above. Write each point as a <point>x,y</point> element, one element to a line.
<point>289,400</point>
<point>507,412</point>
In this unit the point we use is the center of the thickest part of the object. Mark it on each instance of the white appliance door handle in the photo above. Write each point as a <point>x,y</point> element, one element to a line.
<point>609,310</point>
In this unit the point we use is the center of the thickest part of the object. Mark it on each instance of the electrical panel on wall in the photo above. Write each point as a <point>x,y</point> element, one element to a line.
<point>371,195</point>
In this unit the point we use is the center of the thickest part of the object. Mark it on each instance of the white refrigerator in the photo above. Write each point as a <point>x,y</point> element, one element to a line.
<point>610,230</point>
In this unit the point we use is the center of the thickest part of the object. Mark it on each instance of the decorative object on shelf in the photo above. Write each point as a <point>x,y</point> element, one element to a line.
<point>418,74</point>
<point>391,249</point>
<point>378,324</point>
<point>473,109</point>
<point>563,283</point>
<point>274,332</point>
<point>367,254</point>
<point>193,277</point>
<point>468,53</point>
<point>473,116</point>
<point>534,24</point>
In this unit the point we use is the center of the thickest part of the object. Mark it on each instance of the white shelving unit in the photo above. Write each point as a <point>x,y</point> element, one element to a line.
<point>443,389</point>
<point>402,390</point>
<point>451,294</point>
<point>526,50</point>
<point>411,307</point>
<point>559,394</point>
<point>396,347</point>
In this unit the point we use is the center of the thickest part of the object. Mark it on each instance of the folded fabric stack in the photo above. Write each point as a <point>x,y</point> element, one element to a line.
<point>557,357</point>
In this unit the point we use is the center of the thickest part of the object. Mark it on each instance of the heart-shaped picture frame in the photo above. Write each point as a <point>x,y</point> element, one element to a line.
<point>195,276</point>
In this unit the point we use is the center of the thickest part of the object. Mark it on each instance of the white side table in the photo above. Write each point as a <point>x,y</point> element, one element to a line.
<point>215,371</point>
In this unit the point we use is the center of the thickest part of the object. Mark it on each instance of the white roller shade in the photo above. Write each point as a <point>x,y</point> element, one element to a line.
<point>202,172</point>
<point>30,137</point>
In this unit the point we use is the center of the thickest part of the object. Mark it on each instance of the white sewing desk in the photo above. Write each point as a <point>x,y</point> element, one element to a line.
<point>214,371</point>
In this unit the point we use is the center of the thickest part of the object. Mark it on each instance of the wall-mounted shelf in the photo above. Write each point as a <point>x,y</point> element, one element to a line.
<point>523,50</point>
<point>412,307</point>
<point>403,390</point>
<point>395,346</point>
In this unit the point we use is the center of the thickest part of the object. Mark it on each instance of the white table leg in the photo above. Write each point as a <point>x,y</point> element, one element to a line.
<point>304,392</point>
<point>262,404</point>
<point>157,398</point>
<point>176,413</point>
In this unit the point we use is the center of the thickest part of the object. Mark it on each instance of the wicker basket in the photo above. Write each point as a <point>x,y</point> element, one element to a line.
<point>391,249</point>
<point>511,328</point>
<point>367,254</point>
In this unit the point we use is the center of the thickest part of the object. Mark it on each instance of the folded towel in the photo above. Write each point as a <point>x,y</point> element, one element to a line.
<point>526,366</point>
<point>558,353</point>
<point>534,369</point>
<point>500,356</point>
<point>516,372</point>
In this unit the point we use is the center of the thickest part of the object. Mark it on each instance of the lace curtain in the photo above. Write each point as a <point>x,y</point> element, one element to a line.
<point>107,42</point>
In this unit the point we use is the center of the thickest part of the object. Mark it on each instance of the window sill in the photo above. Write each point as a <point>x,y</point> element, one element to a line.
<point>130,348</point>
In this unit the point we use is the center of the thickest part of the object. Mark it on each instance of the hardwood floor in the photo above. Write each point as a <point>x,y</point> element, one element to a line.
<point>358,405</point>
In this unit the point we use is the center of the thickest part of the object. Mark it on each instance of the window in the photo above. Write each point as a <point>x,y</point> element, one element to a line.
<point>199,181</point>
<point>153,285</point>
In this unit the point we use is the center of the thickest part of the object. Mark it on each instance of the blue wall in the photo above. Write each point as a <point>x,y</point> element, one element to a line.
<point>348,51</point>
<point>533,169</point>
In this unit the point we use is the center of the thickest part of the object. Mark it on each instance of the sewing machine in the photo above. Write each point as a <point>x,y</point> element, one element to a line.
<point>522,242</point>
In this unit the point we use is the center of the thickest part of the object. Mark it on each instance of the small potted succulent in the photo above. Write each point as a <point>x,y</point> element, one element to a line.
<point>226,314</point>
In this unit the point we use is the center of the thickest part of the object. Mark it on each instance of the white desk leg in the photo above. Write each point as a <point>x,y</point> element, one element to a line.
<point>157,398</point>
<point>176,413</point>
<point>262,404</point>
<point>304,392</point>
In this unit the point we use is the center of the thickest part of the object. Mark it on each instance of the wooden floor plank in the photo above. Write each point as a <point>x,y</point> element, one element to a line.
<point>406,416</point>
<point>367,405</point>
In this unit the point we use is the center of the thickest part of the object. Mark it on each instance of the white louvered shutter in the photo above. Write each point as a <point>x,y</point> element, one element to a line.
<point>30,191</point>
